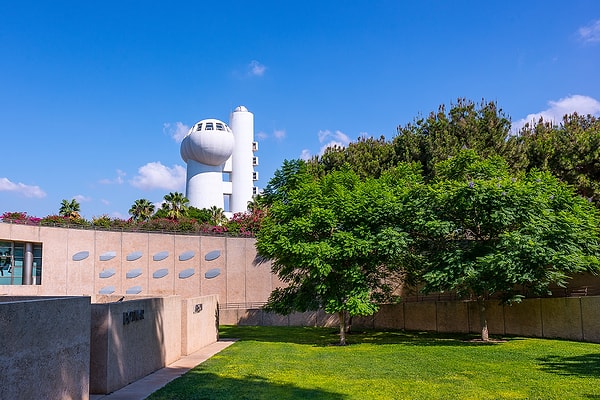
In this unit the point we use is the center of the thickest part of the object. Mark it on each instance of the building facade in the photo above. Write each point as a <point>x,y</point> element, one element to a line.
<point>97,263</point>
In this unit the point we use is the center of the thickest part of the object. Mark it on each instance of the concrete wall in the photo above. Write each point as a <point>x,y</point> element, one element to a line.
<point>261,318</point>
<point>199,323</point>
<point>572,318</point>
<point>144,264</point>
<point>131,339</point>
<point>45,348</point>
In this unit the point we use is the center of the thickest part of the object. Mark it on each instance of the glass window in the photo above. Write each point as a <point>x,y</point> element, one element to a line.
<point>208,126</point>
<point>199,127</point>
<point>12,258</point>
<point>220,127</point>
<point>227,202</point>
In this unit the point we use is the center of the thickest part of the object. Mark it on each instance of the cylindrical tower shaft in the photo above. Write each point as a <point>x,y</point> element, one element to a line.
<point>242,125</point>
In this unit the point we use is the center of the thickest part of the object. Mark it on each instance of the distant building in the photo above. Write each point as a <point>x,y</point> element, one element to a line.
<point>220,162</point>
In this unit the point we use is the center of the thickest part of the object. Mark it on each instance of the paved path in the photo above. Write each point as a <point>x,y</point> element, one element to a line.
<point>144,387</point>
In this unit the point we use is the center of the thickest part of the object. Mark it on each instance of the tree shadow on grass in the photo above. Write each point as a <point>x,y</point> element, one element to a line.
<point>587,365</point>
<point>201,385</point>
<point>321,337</point>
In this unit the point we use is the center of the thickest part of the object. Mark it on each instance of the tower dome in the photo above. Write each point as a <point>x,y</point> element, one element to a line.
<point>209,142</point>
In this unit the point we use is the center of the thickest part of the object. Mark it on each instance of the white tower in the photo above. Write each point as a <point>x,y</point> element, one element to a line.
<point>205,148</point>
<point>220,162</point>
<point>242,159</point>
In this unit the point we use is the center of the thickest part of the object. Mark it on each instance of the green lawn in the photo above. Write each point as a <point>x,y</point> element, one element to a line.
<point>304,363</point>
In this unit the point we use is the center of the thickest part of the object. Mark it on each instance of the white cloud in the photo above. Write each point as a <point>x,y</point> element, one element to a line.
<point>279,134</point>
<point>262,135</point>
<point>177,131</point>
<point>590,33</point>
<point>305,155</point>
<point>82,199</point>
<point>118,180</point>
<point>337,138</point>
<point>558,109</point>
<point>255,68</point>
<point>154,175</point>
<point>26,190</point>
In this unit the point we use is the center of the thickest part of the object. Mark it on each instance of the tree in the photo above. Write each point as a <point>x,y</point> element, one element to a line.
<point>217,216</point>
<point>331,243</point>
<point>69,209</point>
<point>176,205</point>
<point>141,210</point>
<point>368,157</point>
<point>570,150</point>
<point>289,176</point>
<point>481,127</point>
<point>481,232</point>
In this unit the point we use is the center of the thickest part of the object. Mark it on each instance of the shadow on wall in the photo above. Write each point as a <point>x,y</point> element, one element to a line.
<point>212,386</point>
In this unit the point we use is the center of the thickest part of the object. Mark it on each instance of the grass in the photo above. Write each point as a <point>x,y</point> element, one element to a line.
<point>304,363</point>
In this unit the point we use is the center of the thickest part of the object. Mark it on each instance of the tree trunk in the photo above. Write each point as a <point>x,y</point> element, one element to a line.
<point>485,336</point>
<point>342,317</point>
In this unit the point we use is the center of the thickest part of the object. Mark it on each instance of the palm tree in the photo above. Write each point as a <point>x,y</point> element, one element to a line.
<point>217,215</point>
<point>141,210</point>
<point>69,209</point>
<point>176,204</point>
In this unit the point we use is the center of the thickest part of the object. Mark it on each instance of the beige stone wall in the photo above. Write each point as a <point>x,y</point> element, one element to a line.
<point>230,272</point>
<point>126,349</point>
<point>199,324</point>
<point>45,348</point>
<point>572,318</point>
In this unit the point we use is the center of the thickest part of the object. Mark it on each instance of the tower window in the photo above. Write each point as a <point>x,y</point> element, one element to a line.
<point>208,126</point>
<point>220,127</point>
<point>199,127</point>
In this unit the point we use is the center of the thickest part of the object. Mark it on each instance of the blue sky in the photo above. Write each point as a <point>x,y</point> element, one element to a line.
<point>95,96</point>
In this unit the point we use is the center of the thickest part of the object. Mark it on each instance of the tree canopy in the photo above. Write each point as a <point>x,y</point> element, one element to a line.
<point>475,228</point>
<point>480,231</point>
<point>330,242</point>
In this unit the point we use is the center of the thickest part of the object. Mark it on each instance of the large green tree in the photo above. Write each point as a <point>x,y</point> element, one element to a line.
<point>331,243</point>
<point>482,232</point>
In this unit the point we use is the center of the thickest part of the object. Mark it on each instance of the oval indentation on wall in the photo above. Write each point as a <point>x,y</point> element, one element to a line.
<point>107,273</point>
<point>213,255</point>
<point>82,255</point>
<point>134,256</point>
<point>107,290</point>
<point>187,255</point>
<point>160,273</point>
<point>134,290</point>
<point>160,256</point>
<point>186,273</point>
<point>134,273</point>
<point>212,273</point>
<point>109,255</point>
